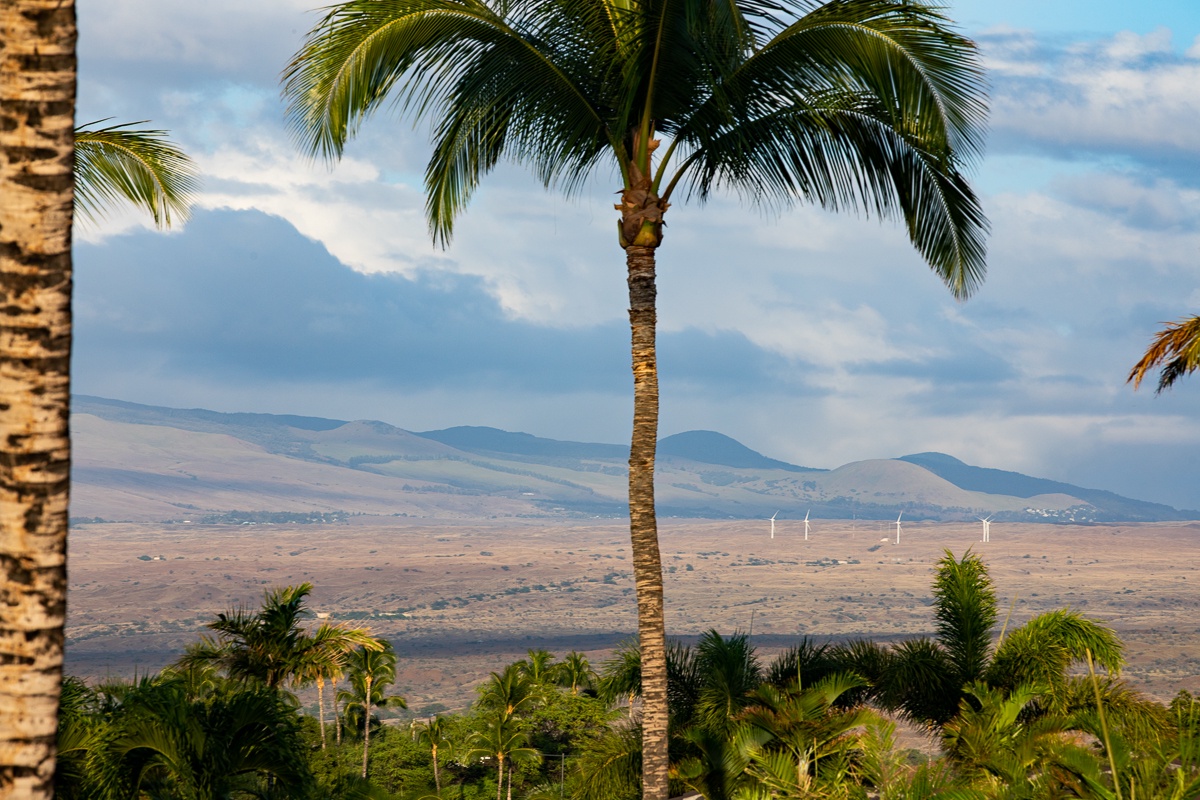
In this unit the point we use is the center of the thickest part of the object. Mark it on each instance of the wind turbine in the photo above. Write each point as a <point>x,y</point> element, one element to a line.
<point>987,528</point>
<point>901,514</point>
<point>773,516</point>
<point>806,513</point>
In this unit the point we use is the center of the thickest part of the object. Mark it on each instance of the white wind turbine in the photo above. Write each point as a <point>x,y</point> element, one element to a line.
<point>806,513</point>
<point>901,514</point>
<point>773,516</point>
<point>987,527</point>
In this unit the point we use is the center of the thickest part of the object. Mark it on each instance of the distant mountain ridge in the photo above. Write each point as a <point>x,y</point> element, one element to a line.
<point>144,462</point>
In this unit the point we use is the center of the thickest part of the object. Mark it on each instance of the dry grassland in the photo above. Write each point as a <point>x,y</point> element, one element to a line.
<point>461,599</point>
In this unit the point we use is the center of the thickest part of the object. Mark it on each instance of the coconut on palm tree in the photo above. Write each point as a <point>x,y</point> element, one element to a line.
<point>868,105</point>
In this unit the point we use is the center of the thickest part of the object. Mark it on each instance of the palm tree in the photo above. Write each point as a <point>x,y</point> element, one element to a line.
<point>371,671</point>
<point>621,676</point>
<point>37,188</point>
<point>575,672</point>
<point>1176,348</point>
<point>510,693</point>
<point>432,734</point>
<point>539,666</point>
<point>209,749</point>
<point>874,105</point>
<point>926,679</point>
<point>501,739</point>
<point>323,655</point>
<point>270,646</point>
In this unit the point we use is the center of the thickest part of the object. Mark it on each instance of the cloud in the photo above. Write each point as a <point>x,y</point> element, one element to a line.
<point>242,297</point>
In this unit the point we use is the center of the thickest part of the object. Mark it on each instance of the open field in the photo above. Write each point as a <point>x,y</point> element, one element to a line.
<point>460,599</point>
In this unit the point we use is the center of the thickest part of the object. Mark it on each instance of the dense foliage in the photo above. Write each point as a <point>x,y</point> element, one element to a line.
<point>1014,715</point>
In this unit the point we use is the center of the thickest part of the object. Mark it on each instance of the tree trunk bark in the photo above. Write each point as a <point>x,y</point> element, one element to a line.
<point>643,525</point>
<point>500,779</point>
<point>437,780</point>
<point>366,724</point>
<point>321,706</point>
<point>37,106</point>
<point>337,717</point>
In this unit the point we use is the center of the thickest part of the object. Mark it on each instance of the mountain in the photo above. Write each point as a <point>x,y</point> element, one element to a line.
<point>144,463</point>
<point>998,481</point>
<point>710,447</point>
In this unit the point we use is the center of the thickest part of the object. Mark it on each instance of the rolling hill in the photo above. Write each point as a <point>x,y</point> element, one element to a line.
<point>144,463</point>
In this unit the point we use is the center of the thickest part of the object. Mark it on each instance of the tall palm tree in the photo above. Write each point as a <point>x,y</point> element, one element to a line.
<point>37,100</point>
<point>324,654</point>
<point>873,105</point>
<point>1176,348</point>
<point>38,186</point>
<point>432,734</point>
<point>371,672</point>
<point>501,739</point>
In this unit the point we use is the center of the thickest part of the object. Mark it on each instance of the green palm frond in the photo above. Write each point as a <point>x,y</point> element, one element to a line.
<point>119,163</point>
<point>965,609</point>
<point>1041,650</point>
<point>1176,348</point>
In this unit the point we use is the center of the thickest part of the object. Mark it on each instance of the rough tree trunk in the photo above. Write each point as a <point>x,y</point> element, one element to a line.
<point>366,723</point>
<point>37,105</point>
<point>643,525</point>
<point>321,706</point>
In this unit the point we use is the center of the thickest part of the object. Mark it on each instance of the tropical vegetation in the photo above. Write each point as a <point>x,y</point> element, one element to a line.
<point>868,105</point>
<point>1176,349</point>
<point>1030,719</point>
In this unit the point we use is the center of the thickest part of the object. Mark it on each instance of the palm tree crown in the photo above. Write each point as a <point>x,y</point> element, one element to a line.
<point>868,105</point>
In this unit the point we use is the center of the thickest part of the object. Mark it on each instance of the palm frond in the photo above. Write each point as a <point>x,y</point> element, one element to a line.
<point>965,608</point>
<point>118,163</point>
<point>1176,348</point>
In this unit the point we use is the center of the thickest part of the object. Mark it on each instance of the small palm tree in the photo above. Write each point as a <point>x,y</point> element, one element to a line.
<point>574,672</point>
<point>926,679</point>
<point>539,667</point>
<point>501,739</point>
<point>370,672</point>
<point>510,693</point>
<point>1176,348</point>
<point>222,746</point>
<point>432,734</point>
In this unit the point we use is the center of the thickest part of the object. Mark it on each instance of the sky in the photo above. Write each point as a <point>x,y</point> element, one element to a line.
<point>304,288</point>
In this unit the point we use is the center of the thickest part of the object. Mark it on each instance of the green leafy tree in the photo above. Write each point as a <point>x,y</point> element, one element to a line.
<point>870,105</point>
<point>510,693</point>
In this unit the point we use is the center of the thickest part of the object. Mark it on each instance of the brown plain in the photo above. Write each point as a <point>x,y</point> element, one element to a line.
<point>460,599</point>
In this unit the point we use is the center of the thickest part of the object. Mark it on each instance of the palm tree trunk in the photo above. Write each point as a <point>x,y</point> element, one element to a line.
<point>437,780</point>
<point>510,772</point>
<point>643,525</point>
<point>37,103</point>
<point>500,779</point>
<point>337,717</point>
<point>321,706</point>
<point>366,723</point>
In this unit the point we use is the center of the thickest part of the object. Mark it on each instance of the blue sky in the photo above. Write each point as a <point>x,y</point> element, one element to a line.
<point>811,338</point>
